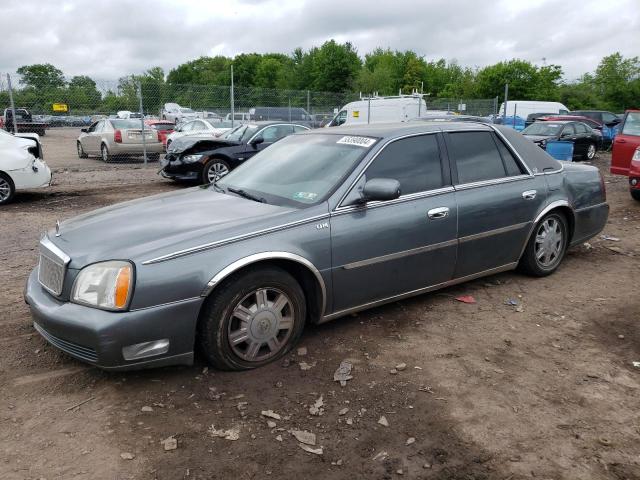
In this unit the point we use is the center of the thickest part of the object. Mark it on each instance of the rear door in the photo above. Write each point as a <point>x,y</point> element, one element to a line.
<point>497,198</point>
<point>625,143</point>
<point>385,249</point>
<point>582,138</point>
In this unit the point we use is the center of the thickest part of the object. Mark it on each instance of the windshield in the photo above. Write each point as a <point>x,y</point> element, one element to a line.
<point>299,170</point>
<point>186,110</point>
<point>242,133</point>
<point>543,129</point>
<point>632,124</point>
<point>126,124</point>
<point>162,126</point>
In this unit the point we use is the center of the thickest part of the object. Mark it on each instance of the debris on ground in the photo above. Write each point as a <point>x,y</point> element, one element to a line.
<point>636,364</point>
<point>343,373</point>
<point>383,421</point>
<point>512,302</point>
<point>466,299</point>
<point>393,371</point>
<point>270,414</point>
<point>306,366</point>
<point>146,408</point>
<point>279,438</point>
<point>316,409</point>
<point>343,411</point>
<point>302,351</point>
<point>401,366</point>
<point>169,443</point>
<point>520,308</point>
<point>127,456</point>
<point>615,249</point>
<point>303,436</point>
<point>410,441</point>
<point>380,456</point>
<point>611,239</point>
<point>271,424</point>
<point>230,434</point>
<point>307,448</point>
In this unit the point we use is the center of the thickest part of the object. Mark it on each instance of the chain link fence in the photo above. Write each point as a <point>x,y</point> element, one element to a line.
<point>80,101</point>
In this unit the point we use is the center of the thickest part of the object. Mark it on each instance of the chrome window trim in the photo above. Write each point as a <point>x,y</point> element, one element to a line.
<point>370,161</point>
<point>226,241</point>
<point>412,293</point>
<point>402,254</point>
<point>275,125</point>
<point>493,181</point>
<point>403,198</point>
<point>243,262</point>
<point>496,231</point>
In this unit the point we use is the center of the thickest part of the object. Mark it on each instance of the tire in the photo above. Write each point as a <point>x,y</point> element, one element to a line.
<point>7,189</point>
<point>538,243</point>
<point>590,152</point>
<point>220,336</point>
<point>81,152</point>
<point>153,157</point>
<point>104,153</point>
<point>213,170</point>
<point>635,194</point>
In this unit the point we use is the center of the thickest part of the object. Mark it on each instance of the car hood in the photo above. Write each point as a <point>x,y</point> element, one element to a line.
<point>154,226</point>
<point>204,141</point>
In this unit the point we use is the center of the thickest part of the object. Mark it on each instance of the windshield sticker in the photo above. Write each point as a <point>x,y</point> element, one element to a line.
<point>364,142</point>
<point>305,196</point>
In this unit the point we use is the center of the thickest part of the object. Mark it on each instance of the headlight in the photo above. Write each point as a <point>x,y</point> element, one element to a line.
<point>105,285</point>
<point>636,155</point>
<point>191,158</point>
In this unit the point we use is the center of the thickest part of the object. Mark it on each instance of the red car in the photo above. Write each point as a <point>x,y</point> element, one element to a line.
<point>163,127</point>
<point>625,159</point>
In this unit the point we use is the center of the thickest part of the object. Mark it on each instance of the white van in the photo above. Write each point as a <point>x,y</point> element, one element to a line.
<point>380,110</point>
<point>523,108</point>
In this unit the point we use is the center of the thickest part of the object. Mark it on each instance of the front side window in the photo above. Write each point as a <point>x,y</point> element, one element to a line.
<point>476,155</point>
<point>581,128</point>
<point>543,129</point>
<point>632,124</point>
<point>276,132</point>
<point>414,162</point>
<point>568,130</point>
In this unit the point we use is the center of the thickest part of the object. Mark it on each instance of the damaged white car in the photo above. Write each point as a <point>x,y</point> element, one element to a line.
<point>21,164</point>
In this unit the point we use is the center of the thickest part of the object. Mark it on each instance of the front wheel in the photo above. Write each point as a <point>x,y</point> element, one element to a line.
<point>7,189</point>
<point>635,194</point>
<point>591,152</point>
<point>254,318</point>
<point>81,152</point>
<point>214,170</point>
<point>547,246</point>
<point>104,153</point>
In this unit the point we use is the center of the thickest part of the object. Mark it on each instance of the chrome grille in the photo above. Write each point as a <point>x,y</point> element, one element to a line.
<point>52,267</point>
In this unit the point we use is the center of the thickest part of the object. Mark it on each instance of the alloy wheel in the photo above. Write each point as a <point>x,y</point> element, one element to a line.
<point>216,171</point>
<point>261,324</point>
<point>5,190</point>
<point>591,151</point>
<point>549,243</point>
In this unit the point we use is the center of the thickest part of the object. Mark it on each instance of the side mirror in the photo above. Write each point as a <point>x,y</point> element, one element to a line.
<point>257,141</point>
<point>84,130</point>
<point>380,189</point>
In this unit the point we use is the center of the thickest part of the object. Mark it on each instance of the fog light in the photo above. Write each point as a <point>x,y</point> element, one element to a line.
<point>145,349</point>
<point>634,182</point>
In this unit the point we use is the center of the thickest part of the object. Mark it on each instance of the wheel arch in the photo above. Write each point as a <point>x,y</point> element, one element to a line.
<point>303,270</point>
<point>561,206</point>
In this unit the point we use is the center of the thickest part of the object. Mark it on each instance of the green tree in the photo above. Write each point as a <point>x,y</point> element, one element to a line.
<point>41,76</point>
<point>617,81</point>
<point>335,67</point>
<point>82,94</point>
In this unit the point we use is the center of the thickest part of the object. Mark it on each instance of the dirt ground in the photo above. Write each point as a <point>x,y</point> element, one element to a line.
<point>545,389</point>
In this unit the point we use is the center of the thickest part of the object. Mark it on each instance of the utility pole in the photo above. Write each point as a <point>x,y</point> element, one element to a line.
<point>144,140</point>
<point>233,108</point>
<point>13,107</point>
<point>506,99</point>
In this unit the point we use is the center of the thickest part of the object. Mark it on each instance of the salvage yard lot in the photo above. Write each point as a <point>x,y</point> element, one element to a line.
<point>542,389</point>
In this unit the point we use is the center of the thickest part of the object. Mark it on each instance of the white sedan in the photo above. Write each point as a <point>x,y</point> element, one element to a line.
<point>200,127</point>
<point>21,164</point>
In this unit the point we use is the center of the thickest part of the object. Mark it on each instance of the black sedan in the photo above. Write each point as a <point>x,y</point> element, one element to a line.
<point>205,159</point>
<point>585,140</point>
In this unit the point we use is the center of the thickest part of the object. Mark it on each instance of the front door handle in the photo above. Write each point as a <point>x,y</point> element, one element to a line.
<point>529,194</point>
<point>440,212</point>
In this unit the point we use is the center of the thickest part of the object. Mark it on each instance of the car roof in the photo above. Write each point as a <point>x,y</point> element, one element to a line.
<point>555,121</point>
<point>392,130</point>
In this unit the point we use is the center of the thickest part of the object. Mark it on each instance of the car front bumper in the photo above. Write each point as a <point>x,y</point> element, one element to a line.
<point>99,337</point>
<point>174,168</point>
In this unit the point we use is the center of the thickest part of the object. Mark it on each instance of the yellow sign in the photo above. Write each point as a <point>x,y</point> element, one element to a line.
<point>60,107</point>
<point>356,114</point>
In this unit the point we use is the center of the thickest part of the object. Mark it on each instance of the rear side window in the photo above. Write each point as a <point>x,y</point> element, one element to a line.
<point>581,128</point>
<point>568,130</point>
<point>476,156</point>
<point>414,162</point>
<point>511,165</point>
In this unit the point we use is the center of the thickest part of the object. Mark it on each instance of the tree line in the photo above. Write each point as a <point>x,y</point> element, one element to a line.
<point>338,69</point>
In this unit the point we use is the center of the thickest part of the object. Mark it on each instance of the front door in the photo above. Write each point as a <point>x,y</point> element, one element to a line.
<point>269,136</point>
<point>625,144</point>
<point>497,201</point>
<point>384,249</point>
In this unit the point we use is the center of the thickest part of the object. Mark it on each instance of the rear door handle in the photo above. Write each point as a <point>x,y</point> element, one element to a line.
<point>529,194</point>
<point>440,212</point>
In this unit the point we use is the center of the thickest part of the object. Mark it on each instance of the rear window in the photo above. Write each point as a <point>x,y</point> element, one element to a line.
<point>163,127</point>
<point>632,124</point>
<point>126,124</point>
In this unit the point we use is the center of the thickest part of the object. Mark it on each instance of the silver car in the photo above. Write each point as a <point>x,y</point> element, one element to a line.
<point>113,138</point>
<point>314,227</point>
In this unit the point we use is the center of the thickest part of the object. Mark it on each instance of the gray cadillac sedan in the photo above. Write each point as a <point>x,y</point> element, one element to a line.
<point>319,225</point>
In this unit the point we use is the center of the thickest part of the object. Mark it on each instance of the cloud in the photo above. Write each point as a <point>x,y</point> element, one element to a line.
<point>107,39</point>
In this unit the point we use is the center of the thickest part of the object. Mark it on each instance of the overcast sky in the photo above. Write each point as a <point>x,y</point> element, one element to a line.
<point>106,39</point>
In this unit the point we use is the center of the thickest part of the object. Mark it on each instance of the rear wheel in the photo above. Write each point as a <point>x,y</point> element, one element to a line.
<point>252,319</point>
<point>81,152</point>
<point>547,246</point>
<point>635,194</point>
<point>7,189</point>
<point>214,170</point>
<point>104,153</point>
<point>591,152</point>
<point>153,157</point>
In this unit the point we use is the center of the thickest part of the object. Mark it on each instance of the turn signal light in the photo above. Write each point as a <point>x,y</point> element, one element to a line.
<point>123,283</point>
<point>117,136</point>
